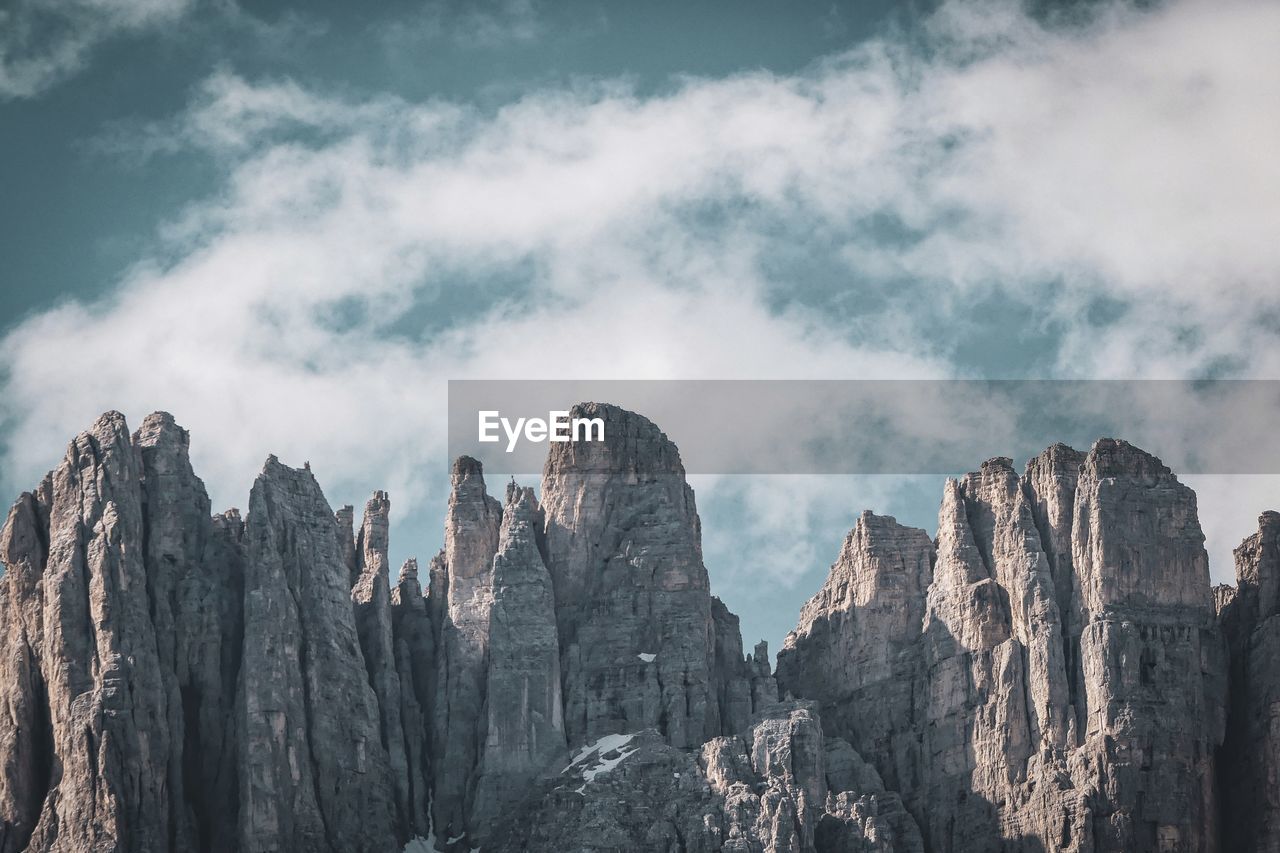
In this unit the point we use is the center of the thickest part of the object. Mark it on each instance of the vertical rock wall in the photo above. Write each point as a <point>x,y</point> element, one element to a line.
<point>1250,758</point>
<point>1063,688</point>
<point>638,636</point>
<point>1050,672</point>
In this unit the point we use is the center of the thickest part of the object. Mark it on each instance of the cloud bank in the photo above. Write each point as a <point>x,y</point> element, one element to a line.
<point>42,42</point>
<point>1114,174</point>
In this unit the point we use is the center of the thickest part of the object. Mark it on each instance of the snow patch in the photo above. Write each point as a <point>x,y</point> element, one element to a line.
<point>604,744</point>
<point>418,844</point>
<point>647,657</point>
<point>591,760</point>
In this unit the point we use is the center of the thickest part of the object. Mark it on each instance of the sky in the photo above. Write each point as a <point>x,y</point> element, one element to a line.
<point>291,224</point>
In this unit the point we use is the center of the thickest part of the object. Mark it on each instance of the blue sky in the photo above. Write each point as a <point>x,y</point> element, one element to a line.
<point>290,224</point>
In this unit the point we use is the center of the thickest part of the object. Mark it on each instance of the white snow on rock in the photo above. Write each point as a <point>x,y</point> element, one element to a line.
<point>590,762</point>
<point>647,657</point>
<point>602,745</point>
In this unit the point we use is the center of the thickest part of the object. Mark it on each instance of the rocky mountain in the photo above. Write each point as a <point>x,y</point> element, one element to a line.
<point>1052,671</point>
<point>1065,686</point>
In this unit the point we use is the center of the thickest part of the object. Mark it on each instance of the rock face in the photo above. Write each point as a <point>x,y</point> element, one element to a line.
<point>462,584</point>
<point>1050,672</point>
<point>587,616</point>
<point>1251,754</point>
<point>633,604</point>
<point>778,786</point>
<point>1152,658</point>
<point>860,658</point>
<point>181,681</point>
<point>313,773</point>
<point>524,719</point>
<point>415,661</point>
<point>371,596</point>
<point>90,761</point>
<point>1062,688</point>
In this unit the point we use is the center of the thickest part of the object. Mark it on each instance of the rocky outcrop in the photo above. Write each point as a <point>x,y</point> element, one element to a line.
<point>856,648</point>
<point>778,786</point>
<point>772,780</point>
<point>1062,688</point>
<point>1250,756</point>
<point>638,635</point>
<point>743,684</point>
<point>415,663</point>
<point>860,815</point>
<point>618,793</point>
<point>633,601</point>
<point>196,567</point>
<point>181,681</point>
<point>1152,659</point>
<point>462,589</point>
<point>524,714</point>
<point>313,773</point>
<point>90,758</point>
<point>371,596</point>
<point>1048,672</point>
<point>122,628</point>
<point>562,624</point>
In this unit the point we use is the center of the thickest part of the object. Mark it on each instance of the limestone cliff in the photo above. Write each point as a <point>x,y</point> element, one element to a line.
<point>1051,671</point>
<point>1250,789</point>
<point>1063,687</point>
<point>638,635</point>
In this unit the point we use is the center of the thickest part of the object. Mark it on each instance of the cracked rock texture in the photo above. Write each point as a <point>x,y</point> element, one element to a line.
<point>638,636</point>
<point>1251,792</point>
<point>778,786</point>
<point>1051,671</point>
<point>1064,686</point>
<point>313,772</point>
<point>415,661</point>
<point>462,592</point>
<point>371,595</point>
<point>524,719</point>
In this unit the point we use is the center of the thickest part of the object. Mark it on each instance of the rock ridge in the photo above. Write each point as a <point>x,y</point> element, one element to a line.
<point>1050,671</point>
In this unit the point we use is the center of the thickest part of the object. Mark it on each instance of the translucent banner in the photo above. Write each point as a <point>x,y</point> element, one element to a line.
<point>878,427</point>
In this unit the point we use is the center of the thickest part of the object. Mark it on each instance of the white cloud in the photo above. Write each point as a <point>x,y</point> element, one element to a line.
<point>43,42</point>
<point>317,304</point>
<point>1229,506</point>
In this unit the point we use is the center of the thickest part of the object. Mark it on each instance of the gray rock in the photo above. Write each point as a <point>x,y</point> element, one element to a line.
<point>633,605</point>
<point>733,674</point>
<point>371,596</point>
<point>524,714</point>
<point>1049,673</point>
<point>195,567</point>
<point>856,650</point>
<point>93,768</point>
<point>640,794</point>
<point>772,780</point>
<point>764,790</point>
<point>1151,656</point>
<point>415,661</point>
<point>1063,687</point>
<point>1250,791</point>
<point>313,773</point>
<point>860,816</point>
<point>345,517</point>
<point>462,590</point>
